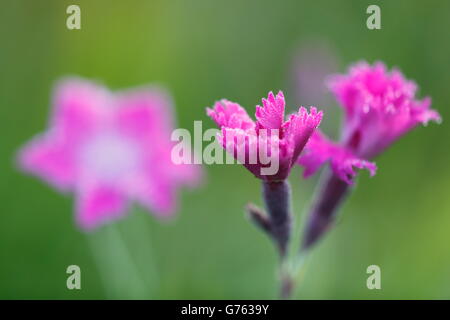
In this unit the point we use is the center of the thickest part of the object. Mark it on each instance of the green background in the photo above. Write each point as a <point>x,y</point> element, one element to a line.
<point>203,51</point>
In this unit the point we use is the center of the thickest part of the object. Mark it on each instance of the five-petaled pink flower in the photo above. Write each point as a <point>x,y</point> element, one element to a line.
<point>379,106</point>
<point>109,149</point>
<point>254,144</point>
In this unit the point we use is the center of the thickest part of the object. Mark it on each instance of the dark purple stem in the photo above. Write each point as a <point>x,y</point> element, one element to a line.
<point>276,196</point>
<point>277,224</point>
<point>331,193</point>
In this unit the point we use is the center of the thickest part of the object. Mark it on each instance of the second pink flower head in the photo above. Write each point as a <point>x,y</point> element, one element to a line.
<point>380,106</point>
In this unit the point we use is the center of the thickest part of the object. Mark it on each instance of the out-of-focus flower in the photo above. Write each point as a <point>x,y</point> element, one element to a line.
<point>380,106</point>
<point>109,148</point>
<point>254,144</point>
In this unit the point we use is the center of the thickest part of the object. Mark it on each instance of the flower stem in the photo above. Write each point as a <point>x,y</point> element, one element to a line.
<point>276,196</point>
<point>287,286</point>
<point>331,193</point>
<point>277,224</point>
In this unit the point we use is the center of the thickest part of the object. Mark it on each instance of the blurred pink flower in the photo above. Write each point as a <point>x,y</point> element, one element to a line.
<point>247,140</point>
<point>379,106</point>
<point>109,149</point>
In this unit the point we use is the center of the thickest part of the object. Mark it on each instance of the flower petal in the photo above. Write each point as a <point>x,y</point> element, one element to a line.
<point>144,113</point>
<point>299,128</point>
<point>80,107</point>
<point>271,115</point>
<point>320,150</point>
<point>98,204</point>
<point>230,114</point>
<point>50,160</point>
<point>157,195</point>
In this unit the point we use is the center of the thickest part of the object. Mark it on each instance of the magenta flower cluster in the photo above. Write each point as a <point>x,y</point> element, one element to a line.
<point>379,107</point>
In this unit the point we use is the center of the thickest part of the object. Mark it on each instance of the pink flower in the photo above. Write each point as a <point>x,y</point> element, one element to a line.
<point>109,149</point>
<point>379,106</point>
<point>255,144</point>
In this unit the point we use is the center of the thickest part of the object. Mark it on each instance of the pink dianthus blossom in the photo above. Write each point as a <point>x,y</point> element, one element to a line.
<point>253,143</point>
<point>380,106</point>
<point>109,148</point>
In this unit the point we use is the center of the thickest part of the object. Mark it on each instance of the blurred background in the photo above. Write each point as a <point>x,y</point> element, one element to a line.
<point>202,51</point>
